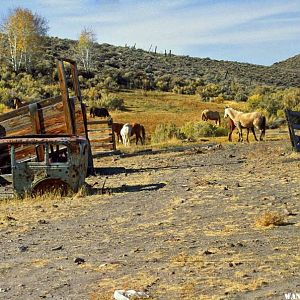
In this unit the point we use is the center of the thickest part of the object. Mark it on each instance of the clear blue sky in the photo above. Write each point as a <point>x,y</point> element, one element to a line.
<point>254,31</point>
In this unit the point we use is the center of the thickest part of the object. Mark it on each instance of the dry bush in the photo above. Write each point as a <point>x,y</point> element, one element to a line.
<point>269,218</point>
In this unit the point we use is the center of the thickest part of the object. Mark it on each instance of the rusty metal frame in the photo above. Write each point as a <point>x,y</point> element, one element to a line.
<point>31,175</point>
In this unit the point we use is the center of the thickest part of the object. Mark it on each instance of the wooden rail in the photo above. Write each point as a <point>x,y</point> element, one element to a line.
<point>293,120</point>
<point>101,136</point>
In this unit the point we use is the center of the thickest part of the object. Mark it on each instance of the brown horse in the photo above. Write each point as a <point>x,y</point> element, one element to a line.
<point>116,128</point>
<point>139,131</point>
<point>247,120</point>
<point>17,103</point>
<point>232,126</point>
<point>211,115</point>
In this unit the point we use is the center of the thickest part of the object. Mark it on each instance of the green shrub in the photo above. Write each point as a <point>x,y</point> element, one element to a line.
<point>195,130</point>
<point>3,107</point>
<point>112,103</point>
<point>94,97</point>
<point>165,132</point>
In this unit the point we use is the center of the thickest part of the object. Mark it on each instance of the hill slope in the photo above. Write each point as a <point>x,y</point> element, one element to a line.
<point>123,62</point>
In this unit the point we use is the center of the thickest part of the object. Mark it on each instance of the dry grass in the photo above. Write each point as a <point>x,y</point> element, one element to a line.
<point>153,108</point>
<point>24,212</point>
<point>269,219</point>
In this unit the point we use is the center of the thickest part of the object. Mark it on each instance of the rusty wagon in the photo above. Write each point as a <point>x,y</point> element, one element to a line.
<point>33,137</point>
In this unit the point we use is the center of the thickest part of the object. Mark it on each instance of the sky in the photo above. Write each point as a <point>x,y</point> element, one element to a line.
<point>254,31</point>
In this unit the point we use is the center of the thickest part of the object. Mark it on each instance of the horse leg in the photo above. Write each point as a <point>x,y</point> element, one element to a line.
<point>229,136</point>
<point>247,138</point>
<point>253,131</point>
<point>239,127</point>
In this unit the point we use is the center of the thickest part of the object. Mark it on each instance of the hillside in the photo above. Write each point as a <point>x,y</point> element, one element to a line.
<point>291,64</point>
<point>126,64</point>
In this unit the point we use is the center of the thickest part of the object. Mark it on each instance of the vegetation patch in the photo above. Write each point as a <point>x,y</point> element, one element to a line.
<point>269,218</point>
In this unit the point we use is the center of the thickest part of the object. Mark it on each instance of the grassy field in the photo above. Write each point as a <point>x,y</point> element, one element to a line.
<point>153,108</point>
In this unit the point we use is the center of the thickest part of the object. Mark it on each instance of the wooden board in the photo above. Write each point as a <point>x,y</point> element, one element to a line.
<point>101,136</point>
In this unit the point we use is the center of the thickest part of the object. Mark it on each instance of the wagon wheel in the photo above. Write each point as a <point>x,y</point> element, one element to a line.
<point>51,185</point>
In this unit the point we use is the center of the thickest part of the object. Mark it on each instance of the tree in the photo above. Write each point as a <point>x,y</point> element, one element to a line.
<point>86,48</point>
<point>21,37</point>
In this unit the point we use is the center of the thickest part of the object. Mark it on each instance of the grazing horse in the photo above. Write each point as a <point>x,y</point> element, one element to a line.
<point>99,112</point>
<point>247,120</point>
<point>116,128</point>
<point>211,115</point>
<point>126,133</point>
<point>17,103</point>
<point>232,126</point>
<point>139,131</point>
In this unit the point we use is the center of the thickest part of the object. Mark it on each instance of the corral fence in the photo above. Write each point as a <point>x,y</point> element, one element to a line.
<point>293,120</point>
<point>101,136</point>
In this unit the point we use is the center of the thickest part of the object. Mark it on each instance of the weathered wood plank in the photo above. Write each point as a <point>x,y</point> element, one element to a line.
<point>90,122</point>
<point>70,124</point>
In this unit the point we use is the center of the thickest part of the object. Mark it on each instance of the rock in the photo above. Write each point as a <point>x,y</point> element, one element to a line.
<point>130,294</point>
<point>23,248</point>
<point>57,248</point>
<point>79,260</point>
<point>42,222</point>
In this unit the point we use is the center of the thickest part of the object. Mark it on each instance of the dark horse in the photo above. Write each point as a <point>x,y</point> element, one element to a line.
<point>116,128</point>
<point>139,131</point>
<point>211,115</point>
<point>99,112</point>
<point>17,103</point>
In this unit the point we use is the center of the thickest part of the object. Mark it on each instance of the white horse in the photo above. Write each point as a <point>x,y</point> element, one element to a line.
<point>247,120</point>
<point>126,133</point>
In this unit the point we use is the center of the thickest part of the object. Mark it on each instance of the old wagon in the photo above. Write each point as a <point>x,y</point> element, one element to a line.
<point>29,135</point>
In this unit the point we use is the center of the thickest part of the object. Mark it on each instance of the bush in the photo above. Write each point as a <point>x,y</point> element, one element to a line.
<point>194,130</point>
<point>110,101</point>
<point>165,132</point>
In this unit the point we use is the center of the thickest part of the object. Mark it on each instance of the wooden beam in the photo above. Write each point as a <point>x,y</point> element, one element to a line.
<point>68,111</point>
<point>37,127</point>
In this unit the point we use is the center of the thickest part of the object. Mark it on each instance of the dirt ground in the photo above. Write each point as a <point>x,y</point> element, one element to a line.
<point>177,224</point>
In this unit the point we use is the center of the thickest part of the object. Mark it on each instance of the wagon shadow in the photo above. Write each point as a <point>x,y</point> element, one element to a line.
<point>138,188</point>
<point>126,188</point>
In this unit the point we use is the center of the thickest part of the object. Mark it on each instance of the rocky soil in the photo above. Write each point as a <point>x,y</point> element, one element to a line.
<point>177,224</point>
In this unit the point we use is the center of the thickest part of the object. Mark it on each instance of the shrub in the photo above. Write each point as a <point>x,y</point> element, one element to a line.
<point>112,102</point>
<point>3,108</point>
<point>269,218</point>
<point>165,132</point>
<point>94,97</point>
<point>194,130</point>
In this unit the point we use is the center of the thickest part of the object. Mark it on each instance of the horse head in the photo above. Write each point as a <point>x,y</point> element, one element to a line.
<point>226,115</point>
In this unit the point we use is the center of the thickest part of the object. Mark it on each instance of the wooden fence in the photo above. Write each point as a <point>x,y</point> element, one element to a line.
<point>101,136</point>
<point>293,120</point>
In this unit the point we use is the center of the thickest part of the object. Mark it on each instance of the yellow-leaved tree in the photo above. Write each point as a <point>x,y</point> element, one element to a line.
<point>21,38</point>
<point>85,49</point>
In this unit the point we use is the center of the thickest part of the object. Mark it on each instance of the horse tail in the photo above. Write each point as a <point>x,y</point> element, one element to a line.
<point>203,117</point>
<point>262,127</point>
<point>143,134</point>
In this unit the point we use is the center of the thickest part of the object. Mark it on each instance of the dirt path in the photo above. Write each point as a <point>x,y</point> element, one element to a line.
<point>177,224</point>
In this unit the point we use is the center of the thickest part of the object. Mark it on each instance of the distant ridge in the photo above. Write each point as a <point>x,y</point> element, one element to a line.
<point>291,64</point>
<point>125,60</point>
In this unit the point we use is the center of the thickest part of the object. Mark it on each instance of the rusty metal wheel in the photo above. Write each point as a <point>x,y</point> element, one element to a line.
<point>51,185</point>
